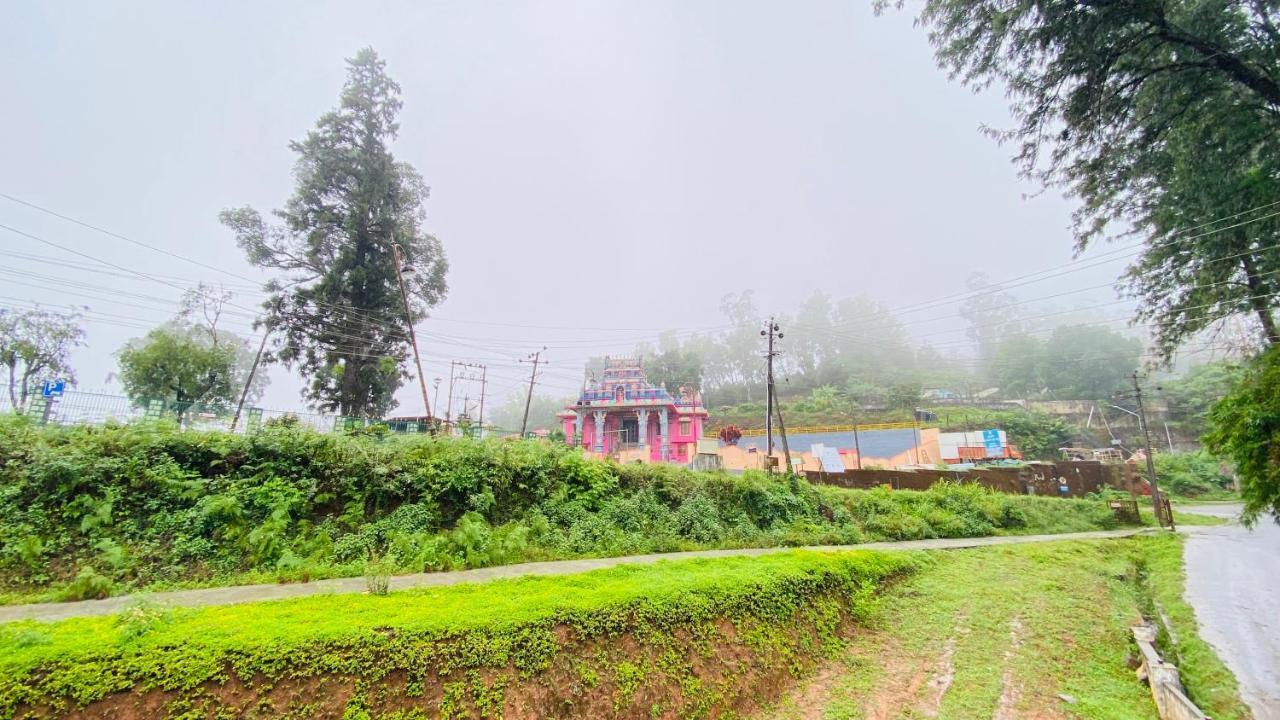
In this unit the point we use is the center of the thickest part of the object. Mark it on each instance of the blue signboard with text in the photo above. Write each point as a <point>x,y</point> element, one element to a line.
<point>991,441</point>
<point>53,388</point>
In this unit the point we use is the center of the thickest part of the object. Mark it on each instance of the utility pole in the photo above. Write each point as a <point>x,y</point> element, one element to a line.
<point>772,406</point>
<point>1156,501</point>
<point>448,413</point>
<point>777,408</point>
<point>528,398</point>
<point>915,433</point>
<point>484,382</point>
<point>771,329</point>
<point>857,447</point>
<point>253,370</point>
<point>398,253</point>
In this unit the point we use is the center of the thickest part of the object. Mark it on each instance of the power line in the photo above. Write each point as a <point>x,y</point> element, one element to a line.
<point>1093,262</point>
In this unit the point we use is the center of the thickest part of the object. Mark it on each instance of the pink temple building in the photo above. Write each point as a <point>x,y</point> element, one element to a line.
<point>623,416</point>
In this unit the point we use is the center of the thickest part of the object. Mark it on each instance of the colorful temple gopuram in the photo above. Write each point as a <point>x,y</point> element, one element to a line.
<point>621,415</point>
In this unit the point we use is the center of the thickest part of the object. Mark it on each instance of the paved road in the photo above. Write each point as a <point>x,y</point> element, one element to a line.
<point>256,593</point>
<point>1233,582</point>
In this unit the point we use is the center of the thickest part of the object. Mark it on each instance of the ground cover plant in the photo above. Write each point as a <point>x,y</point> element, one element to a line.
<point>684,637</point>
<point>1011,631</point>
<point>93,511</point>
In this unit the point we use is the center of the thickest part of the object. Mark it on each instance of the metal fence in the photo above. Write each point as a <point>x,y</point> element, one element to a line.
<point>76,407</point>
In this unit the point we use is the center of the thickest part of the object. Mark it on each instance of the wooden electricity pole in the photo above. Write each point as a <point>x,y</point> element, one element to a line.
<point>1156,501</point>
<point>528,398</point>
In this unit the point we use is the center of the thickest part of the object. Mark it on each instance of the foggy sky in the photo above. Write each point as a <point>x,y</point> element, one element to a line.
<point>593,165</point>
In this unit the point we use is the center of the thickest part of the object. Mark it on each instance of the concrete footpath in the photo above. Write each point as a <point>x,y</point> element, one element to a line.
<point>257,593</point>
<point>1233,583</point>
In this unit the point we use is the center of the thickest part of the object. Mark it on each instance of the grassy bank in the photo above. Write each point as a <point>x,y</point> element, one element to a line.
<point>1162,584</point>
<point>1019,631</point>
<point>691,636</point>
<point>89,512</point>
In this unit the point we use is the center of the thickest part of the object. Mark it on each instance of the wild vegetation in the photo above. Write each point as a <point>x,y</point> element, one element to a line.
<point>688,637</point>
<point>1245,429</point>
<point>92,511</point>
<point>1193,475</point>
<point>1037,630</point>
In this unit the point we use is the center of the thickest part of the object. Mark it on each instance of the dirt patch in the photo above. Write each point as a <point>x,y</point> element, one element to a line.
<point>807,701</point>
<point>904,678</point>
<point>943,674</point>
<point>1010,691</point>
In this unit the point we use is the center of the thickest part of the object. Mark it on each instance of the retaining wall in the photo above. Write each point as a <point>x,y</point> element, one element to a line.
<point>1080,477</point>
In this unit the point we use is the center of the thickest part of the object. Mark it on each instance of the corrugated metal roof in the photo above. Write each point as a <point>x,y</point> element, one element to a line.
<point>874,443</point>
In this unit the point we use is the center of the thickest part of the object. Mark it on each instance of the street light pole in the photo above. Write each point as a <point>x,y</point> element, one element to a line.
<point>398,253</point>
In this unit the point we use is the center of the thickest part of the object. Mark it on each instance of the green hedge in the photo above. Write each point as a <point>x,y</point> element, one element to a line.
<point>435,634</point>
<point>91,511</point>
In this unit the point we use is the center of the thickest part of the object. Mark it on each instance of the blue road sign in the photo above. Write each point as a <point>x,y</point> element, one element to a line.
<point>53,388</point>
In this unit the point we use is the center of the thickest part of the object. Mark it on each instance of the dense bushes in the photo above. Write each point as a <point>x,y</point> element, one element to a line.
<point>1192,474</point>
<point>84,508</point>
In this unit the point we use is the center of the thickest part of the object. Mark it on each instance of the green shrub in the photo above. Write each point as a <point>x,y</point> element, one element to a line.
<point>88,585</point>
<point>377,575</point>
<point>1191,474</point>
<point>150,504</point>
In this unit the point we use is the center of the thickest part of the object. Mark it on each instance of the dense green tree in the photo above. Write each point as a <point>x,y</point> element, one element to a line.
<point>338,307</point>
<point>1088,362</point>
<point>673,368</point>
<point>1018,366</point>
<point>1075,362</point>
<point>905,396</point>
<point>810,343</point>
<point>36,345</point>
<point>1191,396</point>
<point>1162,117</point>
<point>1245,429</point>
<point>733,360</point>
<point>201,320</point>
<point>177,363</point>
<point>992,316</point>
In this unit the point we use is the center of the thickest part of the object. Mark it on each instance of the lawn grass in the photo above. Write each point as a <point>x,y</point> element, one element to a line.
<point>490,625</point>
<point>1208,681</point>
<point>1073,601</point>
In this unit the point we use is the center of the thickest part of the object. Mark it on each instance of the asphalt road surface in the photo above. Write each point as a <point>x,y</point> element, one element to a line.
<point>1233,582</point>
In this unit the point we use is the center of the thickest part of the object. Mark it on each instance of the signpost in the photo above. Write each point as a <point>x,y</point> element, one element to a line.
<point>992,444</point>
<point>53,388</point>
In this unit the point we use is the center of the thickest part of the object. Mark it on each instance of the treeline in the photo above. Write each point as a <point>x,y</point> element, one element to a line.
<point>873,357</point>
